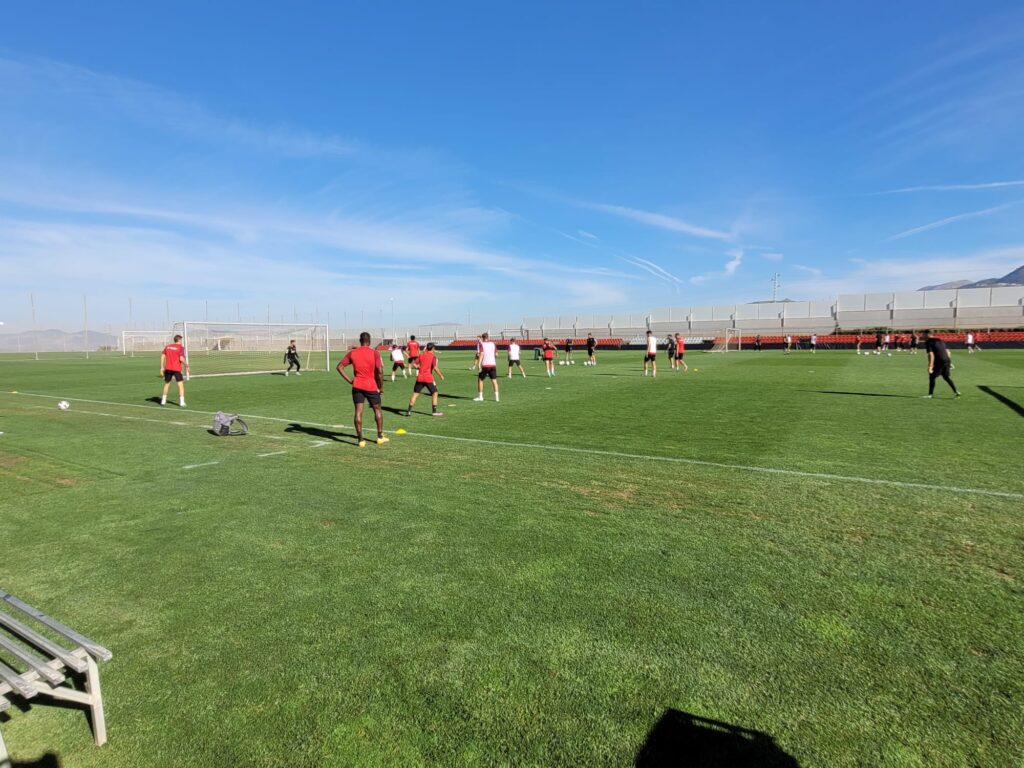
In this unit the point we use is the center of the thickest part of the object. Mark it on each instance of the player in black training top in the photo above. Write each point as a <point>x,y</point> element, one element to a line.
<point>938,363</point>
<point>291,356</point>
<point>591,347</point>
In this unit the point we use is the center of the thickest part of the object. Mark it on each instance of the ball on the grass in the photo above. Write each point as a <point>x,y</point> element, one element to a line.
<point>63,405</point>
<point>561,362</point>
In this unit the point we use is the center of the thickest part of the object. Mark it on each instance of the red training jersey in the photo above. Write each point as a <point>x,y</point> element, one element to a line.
<point>413,348</point>
<point>680,344</point>
<point>428,362</point>
<point>365,362</point>
<point>175,354</point>
<point>549,351</point>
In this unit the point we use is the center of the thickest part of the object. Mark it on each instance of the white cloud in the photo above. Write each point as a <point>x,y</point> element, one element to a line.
<point>953,187</point>
<point>588,235</point>
<point>660,220</point>
<point>772,256</point>
<point>809,270</point>
<point>734,263</point>
<point>952,219</point>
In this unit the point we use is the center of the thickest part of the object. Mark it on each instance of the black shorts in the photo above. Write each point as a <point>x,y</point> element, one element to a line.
<point>648,358</point>
<point>360,396</point>
<point>940,368</point>
<point>512,362</point>
<point>590,351</point>
<point>488,373</point>
<point>680,355</point>
<point>413,358</point>
<point>419,386</point>
<point>396,366</point>
<point>176,375</point>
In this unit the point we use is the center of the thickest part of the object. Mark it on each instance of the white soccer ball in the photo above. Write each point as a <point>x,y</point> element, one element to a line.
<point>63,405</point>
<point>889,354</point>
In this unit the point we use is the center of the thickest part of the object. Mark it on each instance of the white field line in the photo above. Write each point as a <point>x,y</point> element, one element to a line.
<point>204,464</point>
<point>620,455</point>
<point>273,453</point>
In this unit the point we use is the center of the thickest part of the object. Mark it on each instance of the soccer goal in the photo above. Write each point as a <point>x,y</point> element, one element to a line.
<point>730,340</point>
<point>235,349</point>
<point>144,342</point>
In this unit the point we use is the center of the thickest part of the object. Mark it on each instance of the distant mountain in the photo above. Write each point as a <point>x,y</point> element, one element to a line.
<point>946,286</point>
<point>1016,277</point>
<point>55,341</point>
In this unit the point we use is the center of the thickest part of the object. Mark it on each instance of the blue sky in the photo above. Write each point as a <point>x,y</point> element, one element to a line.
<point>521,159</point>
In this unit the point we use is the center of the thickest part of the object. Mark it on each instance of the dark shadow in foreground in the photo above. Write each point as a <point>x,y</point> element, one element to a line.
<point>1012,405</point>
<point>682,740</point>
<point>444,396</point>
<point>49,760</point>
<point>860,394</point>
<point>324,434</point>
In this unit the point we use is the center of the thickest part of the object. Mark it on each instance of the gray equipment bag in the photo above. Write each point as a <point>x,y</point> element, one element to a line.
<point>225,424</point>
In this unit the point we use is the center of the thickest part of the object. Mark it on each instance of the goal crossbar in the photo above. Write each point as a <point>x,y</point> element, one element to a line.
<point>238,349</point>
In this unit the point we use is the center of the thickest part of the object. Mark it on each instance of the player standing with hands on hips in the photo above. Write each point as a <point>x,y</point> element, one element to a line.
<point>367,385</point>
<point>488,352</point>
<point>171,360</point>
<point>938,363</point>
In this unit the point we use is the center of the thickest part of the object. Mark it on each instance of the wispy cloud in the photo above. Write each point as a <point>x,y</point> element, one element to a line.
<point>734,263</point>
<point>953,187</point>
<point>952,219</point>
<point>660,221</point>
<point>652,268</point>
<point>772,256</point>
<point>809,270</point>
<point>588,235</point>
<point>729,269</point>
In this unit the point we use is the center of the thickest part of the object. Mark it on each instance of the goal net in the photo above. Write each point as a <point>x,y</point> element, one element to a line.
<point>730,340</point>
<point>144,342</point>
<point>234,349</point>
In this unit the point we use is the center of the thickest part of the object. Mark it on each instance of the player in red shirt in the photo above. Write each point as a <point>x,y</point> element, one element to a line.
<point>679,362</point>
<point>425,380</point>
<point>171,360</point>
<point>549,357</point>
<point>412,352</point>
<point>367,384</point>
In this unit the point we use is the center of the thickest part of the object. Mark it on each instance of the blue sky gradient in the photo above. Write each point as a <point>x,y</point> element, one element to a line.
<point>529,158</point>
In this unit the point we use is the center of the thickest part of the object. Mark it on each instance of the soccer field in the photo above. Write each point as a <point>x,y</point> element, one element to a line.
<point>797,545</point>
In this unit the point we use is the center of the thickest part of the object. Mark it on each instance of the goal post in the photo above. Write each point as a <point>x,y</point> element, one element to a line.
<point>235,349</point>
<point>729,340</point>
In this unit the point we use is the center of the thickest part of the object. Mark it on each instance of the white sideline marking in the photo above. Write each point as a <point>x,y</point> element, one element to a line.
<point>318,443</point>
<point>274,453</point>
<point>204,464</point>
<point>596,452</point>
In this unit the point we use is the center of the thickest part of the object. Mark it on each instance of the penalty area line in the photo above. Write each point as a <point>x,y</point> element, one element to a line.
<point>608,454</point>
<point>204,464</point>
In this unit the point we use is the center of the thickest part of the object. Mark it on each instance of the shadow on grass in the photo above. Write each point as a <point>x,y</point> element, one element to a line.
<point>49,760</point>
<point>443,396</point>
<point>1011,404</point>
<point>859,394</point>
<point>392,409</point>
<point>682,740</point>
<point>324,434</point>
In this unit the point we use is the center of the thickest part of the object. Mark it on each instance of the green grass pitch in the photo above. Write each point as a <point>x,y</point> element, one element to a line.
<point>533,582</point>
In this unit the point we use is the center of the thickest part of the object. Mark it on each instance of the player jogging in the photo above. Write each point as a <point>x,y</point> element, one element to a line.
<point>568,352</point>
<point>514,358</point>
<point>878,343</point>
<point>291,356</point>
<point>549,357</point>
<point>789,344</point>
<point>651,354</point>
<point>678,361</point>
<point>591,348</point>
<point>412,349</point>
<point>858,340</point>
<point>367,385</point>
<point>971,346</point>
<point>938,363</point>
<point>398,362</point>
<point>170,368</point>
<point>914,342</point>
<point>670,351</point>
<point>425,380</point>
<point>814,343</point>
<point>488,367</point>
